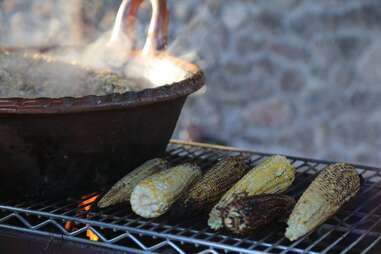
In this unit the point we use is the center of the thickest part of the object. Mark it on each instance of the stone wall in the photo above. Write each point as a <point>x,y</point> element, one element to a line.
<point>291,76</point>
<point>295,77</point>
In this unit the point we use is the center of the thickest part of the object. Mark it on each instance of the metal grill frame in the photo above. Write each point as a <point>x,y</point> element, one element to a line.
<point>355,229</point>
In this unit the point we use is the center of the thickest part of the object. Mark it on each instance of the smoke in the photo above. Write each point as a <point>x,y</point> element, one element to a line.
<point>116,52</point>
<point>99,54</point>
<point>31,23</point>
<point>187,46</point>
<point>29,76</point>
<point>120,58</point>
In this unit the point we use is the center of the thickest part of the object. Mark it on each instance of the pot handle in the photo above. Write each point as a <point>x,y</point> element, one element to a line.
<point>157,37</point>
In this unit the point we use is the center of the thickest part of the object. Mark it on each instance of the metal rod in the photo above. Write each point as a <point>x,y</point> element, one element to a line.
<point>34,217</point>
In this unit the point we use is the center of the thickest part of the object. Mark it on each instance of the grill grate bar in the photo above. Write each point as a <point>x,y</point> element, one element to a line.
<point>358,239</point>
<point>363,216</point>
<point>119,229</point>
<point>261,241</point>
<point>298,242</point>
<point>371,245</point>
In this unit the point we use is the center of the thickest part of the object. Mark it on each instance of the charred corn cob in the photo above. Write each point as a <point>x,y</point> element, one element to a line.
<point>274,175</point>
<point>121,191</point>
<point>245,213</point>
<point>334,186</point>
<point>203,195</point>
<point>154,195</point>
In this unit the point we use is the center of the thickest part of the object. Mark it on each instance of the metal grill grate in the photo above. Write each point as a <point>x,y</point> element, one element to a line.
<point>355,229</point>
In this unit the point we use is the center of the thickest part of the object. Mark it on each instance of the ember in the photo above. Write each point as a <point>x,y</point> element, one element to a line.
<point>91,235</point>
<point>85,205</point>
<point>88,201</point>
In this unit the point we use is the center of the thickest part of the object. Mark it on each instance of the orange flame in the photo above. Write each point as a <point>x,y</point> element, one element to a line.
<point>85,205</point>
<point>87,201</point>
<point>91,235</point>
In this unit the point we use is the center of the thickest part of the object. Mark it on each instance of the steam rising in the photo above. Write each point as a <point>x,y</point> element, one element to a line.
<point>114,51</point>
<point>111,52</point>
<point>30,76</point>
<point>118,59</point>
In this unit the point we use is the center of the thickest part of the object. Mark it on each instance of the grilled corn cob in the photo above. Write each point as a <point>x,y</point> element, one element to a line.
<point>334,186</point>
<point>121,191</point>
<point>274,175</point>
<point>205,193</point>
<point>154,195</point>
<point>247,213</point>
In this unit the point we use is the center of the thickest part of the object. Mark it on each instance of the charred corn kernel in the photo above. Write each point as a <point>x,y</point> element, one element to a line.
<point>245,213</point>
<point>334,186</point>
<point>154,195</point>
<point>274,175</point>
<point>203,195</point>
<point>121,191</point>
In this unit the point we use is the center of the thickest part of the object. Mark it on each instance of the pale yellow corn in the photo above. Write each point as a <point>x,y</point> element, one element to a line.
<point>121,191</point>
<point>334,186</point>
<point>274,175</point>
<point>154,195</point>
